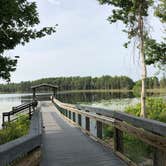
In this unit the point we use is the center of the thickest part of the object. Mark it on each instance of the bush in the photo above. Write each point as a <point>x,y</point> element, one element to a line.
<point>156,109</point>
<point>15,129</point>
<point>108,131</point>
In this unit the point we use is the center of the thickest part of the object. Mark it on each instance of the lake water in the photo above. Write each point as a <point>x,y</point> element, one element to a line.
<point>114,101</point>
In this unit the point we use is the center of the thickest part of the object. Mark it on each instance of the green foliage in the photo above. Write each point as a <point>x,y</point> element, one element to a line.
<point>161,10</point>
<point>156,109</point>
<point>138,154</point>
<point>151,83</point>
<point>155,53</point>
<point>17,21</point>
<point>128,12</point>
<point>108,131</point>
<point>73,83</point>
<point>137,89</point>
<point>141,150</point>
<point>7,65</point>
<point>15,129</point>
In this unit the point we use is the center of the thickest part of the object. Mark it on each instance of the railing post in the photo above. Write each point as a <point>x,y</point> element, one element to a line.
<point>79,120</point>
<point>66,113</point>
<point>118,140</point>
<point>74,116</point>
<point>99,126</point>
<point>87,122</point>
<point>9,117</point>
<point>99,129</point>
<point>69,114</point>
<point>159,157</point>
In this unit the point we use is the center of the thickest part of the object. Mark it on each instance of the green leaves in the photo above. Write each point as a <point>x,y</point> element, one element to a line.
<point>7,65</point>
<point>18,19</point>
<point>161,11</point>
<point>127,12</point>
<point>15,129</point>
<point>155,53</point>
<point>156,109</point>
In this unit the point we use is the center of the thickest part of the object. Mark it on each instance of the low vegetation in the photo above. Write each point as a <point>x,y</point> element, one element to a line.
<point>156,109</point>
<point>142,153</point>
<point>15,129</point>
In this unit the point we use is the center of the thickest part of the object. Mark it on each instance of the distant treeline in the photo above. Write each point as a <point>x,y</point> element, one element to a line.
<point>84,83</point>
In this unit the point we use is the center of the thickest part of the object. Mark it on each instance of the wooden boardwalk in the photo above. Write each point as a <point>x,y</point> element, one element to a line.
<point>65,145</point>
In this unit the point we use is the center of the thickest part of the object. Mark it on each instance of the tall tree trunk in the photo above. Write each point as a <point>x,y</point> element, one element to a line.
<point>143,65</point>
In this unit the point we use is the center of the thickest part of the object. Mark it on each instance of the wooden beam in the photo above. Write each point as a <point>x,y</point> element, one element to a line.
<point>148,124</point>
<point>118,140</point>
<point>146,136</point>
<point>159,157</point>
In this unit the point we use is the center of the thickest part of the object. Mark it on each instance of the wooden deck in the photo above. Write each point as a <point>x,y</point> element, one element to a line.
<point>65,145</point>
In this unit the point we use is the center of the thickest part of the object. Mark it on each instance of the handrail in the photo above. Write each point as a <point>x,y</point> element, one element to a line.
<point>149,131</point>
<point>147,124</point>
<point>18,109</point>
<point>19,147</point>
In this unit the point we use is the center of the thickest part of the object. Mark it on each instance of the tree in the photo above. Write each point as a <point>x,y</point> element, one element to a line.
<point>132,14</point>
<point>17,26</point>
<point>155,51</point>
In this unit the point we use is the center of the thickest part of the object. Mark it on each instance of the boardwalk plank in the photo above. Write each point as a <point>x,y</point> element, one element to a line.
<point>66,145</point>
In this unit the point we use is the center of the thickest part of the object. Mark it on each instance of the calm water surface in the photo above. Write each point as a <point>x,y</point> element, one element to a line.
<point>115,101</point>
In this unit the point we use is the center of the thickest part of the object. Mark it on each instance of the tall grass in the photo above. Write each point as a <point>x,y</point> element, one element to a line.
<point>15,129</point>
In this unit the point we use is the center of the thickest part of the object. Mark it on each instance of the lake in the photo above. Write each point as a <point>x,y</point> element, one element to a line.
<point>111,100</point>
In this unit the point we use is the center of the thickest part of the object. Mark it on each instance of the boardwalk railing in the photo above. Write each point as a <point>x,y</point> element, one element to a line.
<point>28,108</point>
<point>92,119</point>
<point>17,148</point>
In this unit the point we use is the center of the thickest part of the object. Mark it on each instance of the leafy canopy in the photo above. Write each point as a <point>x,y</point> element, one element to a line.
<point>155,51</point>
<point>17,26</point>
<point>128,12</point>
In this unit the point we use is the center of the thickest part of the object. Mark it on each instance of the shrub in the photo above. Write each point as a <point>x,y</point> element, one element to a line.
<point>15,129</point>
<point>156,109</point>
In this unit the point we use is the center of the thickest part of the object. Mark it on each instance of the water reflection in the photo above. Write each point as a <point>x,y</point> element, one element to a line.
<point>74,98</point>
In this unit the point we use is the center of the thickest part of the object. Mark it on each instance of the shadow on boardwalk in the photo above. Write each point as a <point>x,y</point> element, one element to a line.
<point>66,145</point>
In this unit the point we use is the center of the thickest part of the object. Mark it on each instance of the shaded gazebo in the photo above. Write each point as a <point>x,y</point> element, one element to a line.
<point>53,87</point>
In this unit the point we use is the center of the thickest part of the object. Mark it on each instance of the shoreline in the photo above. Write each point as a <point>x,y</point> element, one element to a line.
<point>162,91</point>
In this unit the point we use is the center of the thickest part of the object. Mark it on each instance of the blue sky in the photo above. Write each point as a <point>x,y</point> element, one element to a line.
<point>85,44</point>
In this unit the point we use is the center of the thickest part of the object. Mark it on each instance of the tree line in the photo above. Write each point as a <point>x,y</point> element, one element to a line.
<point>84,83</point>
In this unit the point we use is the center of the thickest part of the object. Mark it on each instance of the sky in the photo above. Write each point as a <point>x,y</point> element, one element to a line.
<point>85,44</point>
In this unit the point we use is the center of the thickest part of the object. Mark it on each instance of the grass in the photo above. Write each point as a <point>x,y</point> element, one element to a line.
<point>14,130</point>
